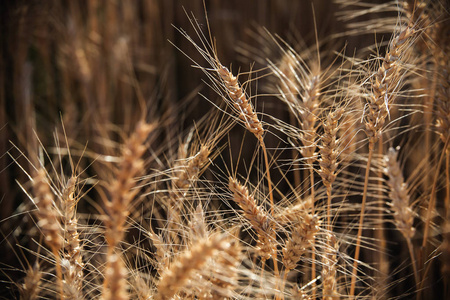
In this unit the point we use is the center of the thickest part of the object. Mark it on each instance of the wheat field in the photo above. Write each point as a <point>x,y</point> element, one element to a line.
<point>213,149</point>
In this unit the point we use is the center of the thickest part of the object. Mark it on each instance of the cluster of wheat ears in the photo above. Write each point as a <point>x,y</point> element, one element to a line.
<point>318,173</point>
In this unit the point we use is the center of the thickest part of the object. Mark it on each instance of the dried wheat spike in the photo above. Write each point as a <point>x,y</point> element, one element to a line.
<point>286,72</point>
<point>385,84</point>
<point>72,263</point>
<point>122,192</point>
<point>181,270</point>
<point>403,214</point>
<point>292,214</point>
<point>302,92</point>
<point>257,217</point>
<point>310,100</point>
<point>116,275</point>
<point>227,278</point>
<point>47,215</point>
<point>302,238</point>
<point>329,149</point>
<point>185,173</point>
<point>197,225</point>
<point>329,266</point>
<point>142,288</point>
<point>30,288</point>
<point>240,102</point>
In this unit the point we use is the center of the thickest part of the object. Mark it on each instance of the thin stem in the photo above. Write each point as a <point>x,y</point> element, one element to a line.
<point>432,199</point>
<point>313,255</point>
<point>58,272</point>
<point>361,220</point>
<point>269,181</point>
<point>272,206</point>
<point>413,261</point>
<point>447,186</point>
<point>283,281</point>
<point>329,209</point>
<point>379,233</point>
<point>297,179</point>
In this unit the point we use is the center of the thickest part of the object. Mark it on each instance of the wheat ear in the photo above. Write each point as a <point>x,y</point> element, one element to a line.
<point>49,221</point>
<point>181,270</point>
<point>30,288</point>
<point>329,268</point>
<point>240,102</point>
<point>398,194</point>
<point>184,174</point>
<point>384,86</point>
<point>248,115</point>
<point>122,193</point>
<point>328,156</point>
<point>257,217</point>
<point>73,261</point>
<point>301,239</point>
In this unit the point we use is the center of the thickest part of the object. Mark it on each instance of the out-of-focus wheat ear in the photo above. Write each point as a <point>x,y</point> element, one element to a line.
<point>72,262</point>
<point>240,102</point>
<point>31,286</point>
<point>292,214</point>
<point>162,252</point>
<point>300,240</point>
<point>398,194</point>
<point>225,279</point>
<point>298,293</point>
<point>174,278</point>
<point>142,288</point>
<point>329,268</point>
<point>116,275</point>
<point>197,225</point>
<point>185,172</point>
<point>49,220</point>
<point>329,152</point>
<point>117,207</point>
<point>257,217</point>
<point>47,214</point>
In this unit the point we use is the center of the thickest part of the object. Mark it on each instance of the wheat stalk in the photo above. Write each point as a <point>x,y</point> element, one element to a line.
<point>384,85</point>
